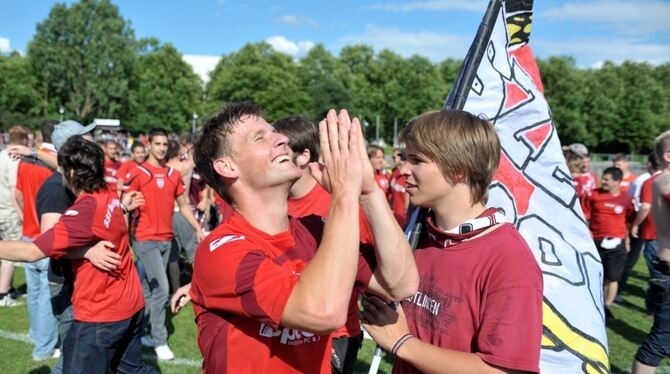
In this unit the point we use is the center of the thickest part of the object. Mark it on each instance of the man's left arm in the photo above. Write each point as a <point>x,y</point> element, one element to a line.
<point>17,250</point>
<point>188,215</point>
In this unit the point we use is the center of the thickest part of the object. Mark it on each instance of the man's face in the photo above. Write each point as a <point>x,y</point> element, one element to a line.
<point>261,155</point>
<point>425,183</point>
<point>622,165</point>
<point>111,151</point>
<point>377,160</point>
<point>139,154</point>
<point>586,165</point>
<point>158,147</point>
<point>609,184</point>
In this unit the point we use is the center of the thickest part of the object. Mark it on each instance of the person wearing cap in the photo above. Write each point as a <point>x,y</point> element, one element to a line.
<point>584,181</point>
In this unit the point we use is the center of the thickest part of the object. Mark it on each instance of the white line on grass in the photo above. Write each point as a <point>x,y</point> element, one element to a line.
<point>21,337</point>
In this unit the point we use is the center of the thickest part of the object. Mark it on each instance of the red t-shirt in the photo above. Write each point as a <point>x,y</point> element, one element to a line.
<point>608,214</point>
<point>98,296</point>
<point>242,279</point>
<point>626,182</point>
<point>30,176</point>
<point>111,172</point>
<point>399,199</point>
<point>482,296</point>
<point>125,171</point>
<point>317,202</point>
<point>647,230</point>
<point>382,181</point>
<point>160,186</point>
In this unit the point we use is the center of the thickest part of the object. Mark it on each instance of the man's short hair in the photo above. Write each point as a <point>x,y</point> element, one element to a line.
<point>18,135</point>
<point>372,150</point>
<point>213,142</point>
<point>662,145</point>
<point>111,141</point>
<point>47,129</point>
<point>302,134</point>
<point>157,131</point>
<point>173,149</point>
<point>465,147</point>
<point>135,146</point>
<point>614,172</point>
<point>82,163</point>
<point>620,157</point>
<point>573,160</point>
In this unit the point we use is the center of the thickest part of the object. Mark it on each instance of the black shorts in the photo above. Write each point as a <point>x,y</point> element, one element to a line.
<point>614,260</point>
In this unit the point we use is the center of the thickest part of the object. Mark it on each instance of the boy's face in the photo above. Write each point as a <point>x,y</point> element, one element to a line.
<point>158,147</point>
<point>425,183</point>
<point>377,160</point>
<point>139,154</point>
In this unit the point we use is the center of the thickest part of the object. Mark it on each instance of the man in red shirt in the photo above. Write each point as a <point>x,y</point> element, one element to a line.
<point>378,162</point>
<point>620,161</point>
<point>138,155</point>
<point>112,163</point>
<point>108,306</point>
<point>656,346</point>
<point>479,304</point>
<point>161,186</point>
<point>609,211</point>
<point>265,298</point>
<point>399,199</point>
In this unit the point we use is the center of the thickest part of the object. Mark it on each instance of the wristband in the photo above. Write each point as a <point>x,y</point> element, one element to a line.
<point>124,209</point>
<point>400,343</point>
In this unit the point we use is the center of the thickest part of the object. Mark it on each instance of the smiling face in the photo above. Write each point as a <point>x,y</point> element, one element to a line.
<point>261,156</point>
<point>377,160</point>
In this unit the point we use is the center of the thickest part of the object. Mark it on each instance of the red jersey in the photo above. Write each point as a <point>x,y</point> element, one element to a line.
<point>608,214</point>
<point>125,171</point>
<point>225,210</point>
<point>647,230</point>
<point>399,199</point>
<point>111,172</point>
<point>317,202</point>
<point>98,296</point>
<point>160,186</point>
<point>482,296</point>
<point>30,176</point>
<point>242,279</point>
<point>626,182</point>
<point>585,183</point>
<point>382,181</point>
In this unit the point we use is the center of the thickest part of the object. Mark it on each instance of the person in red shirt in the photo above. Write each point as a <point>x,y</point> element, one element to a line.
<point>112,163</point>
<point>609,211</point>
<point>378,162</point>
<point>266,300</point>
<point>161,186</point>
<point>399,199</point>
<point>108,305</point>
<point>138,155</point>
<point>620,160</point>
<point>479,304</point>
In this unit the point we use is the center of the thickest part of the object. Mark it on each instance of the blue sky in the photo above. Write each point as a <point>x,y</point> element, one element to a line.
<point>590,31</point>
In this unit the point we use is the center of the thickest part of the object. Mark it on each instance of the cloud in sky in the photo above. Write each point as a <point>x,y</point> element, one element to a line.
<point>592,52</point>
<point>202,65</point>
<point>467,5</point>
<point>297,21</point>
<point>627,17</point>
<point>435,46</point>
<point>4,45</point>
<point>289,47</point>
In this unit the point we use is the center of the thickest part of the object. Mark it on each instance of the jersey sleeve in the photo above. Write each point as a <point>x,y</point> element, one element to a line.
<point>646,192</point>
<point>73,230</point>
<point>240,278</point>
<point>131,181</point>
<point>511,329</point>
<point>179,181</point>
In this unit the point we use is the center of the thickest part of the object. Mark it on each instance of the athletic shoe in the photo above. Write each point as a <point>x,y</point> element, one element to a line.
<point>163,353</point>
<point>8,301</point>
<point>55,354</point>
<point>147,342</point>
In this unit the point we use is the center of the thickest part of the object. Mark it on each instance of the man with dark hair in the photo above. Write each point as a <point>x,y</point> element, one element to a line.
<point>107,306</point>
<point>398,199</point>
<point>112,164</point>
<point>479,304</point>
<point>138,155</point>
<point>609,211</point>
<point>620,160</point>
<point>161,186</point>
<point>266,299</point>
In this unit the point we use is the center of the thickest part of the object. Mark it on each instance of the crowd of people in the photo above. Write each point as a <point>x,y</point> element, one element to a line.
<point>288,237</point>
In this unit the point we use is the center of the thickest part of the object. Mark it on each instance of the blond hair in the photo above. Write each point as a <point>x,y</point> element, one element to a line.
<point>465,147</point>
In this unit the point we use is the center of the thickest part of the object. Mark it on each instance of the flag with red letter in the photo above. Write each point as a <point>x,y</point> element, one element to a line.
<point>500,81</point>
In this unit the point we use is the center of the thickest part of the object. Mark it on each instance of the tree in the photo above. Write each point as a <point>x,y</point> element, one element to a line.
<point>83,58</point>
<point>167,91</point>
<point>365,86</point>
<point>18,97</point>
<point>259,73</point>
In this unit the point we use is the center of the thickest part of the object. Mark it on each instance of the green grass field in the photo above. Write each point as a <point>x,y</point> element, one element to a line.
<point>625,334</point>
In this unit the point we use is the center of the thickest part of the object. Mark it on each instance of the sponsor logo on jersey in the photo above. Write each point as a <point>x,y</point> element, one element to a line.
<point>110,210</point>
<point>216,243</point>
<point>288,336</point>
<point>160,182</point>
<point>71,212</point>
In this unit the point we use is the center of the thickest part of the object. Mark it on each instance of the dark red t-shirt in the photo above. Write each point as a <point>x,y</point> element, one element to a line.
<point>30,177</point>
<point>98,296</point>
<point>647,230</point>
<point>482,296</point>
<point>608,214</point>
<point>160,187</point>
<point>111,172</point>
<point>242,280</point>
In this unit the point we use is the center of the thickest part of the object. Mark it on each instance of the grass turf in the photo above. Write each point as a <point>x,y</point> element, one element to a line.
<point>625,333</point>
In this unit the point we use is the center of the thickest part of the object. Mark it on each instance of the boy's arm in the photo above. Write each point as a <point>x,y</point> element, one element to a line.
<point>188,215</point>
<point>17,250</point>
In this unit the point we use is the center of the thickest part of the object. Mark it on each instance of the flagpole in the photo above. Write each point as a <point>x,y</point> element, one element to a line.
<point>455,100</point>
